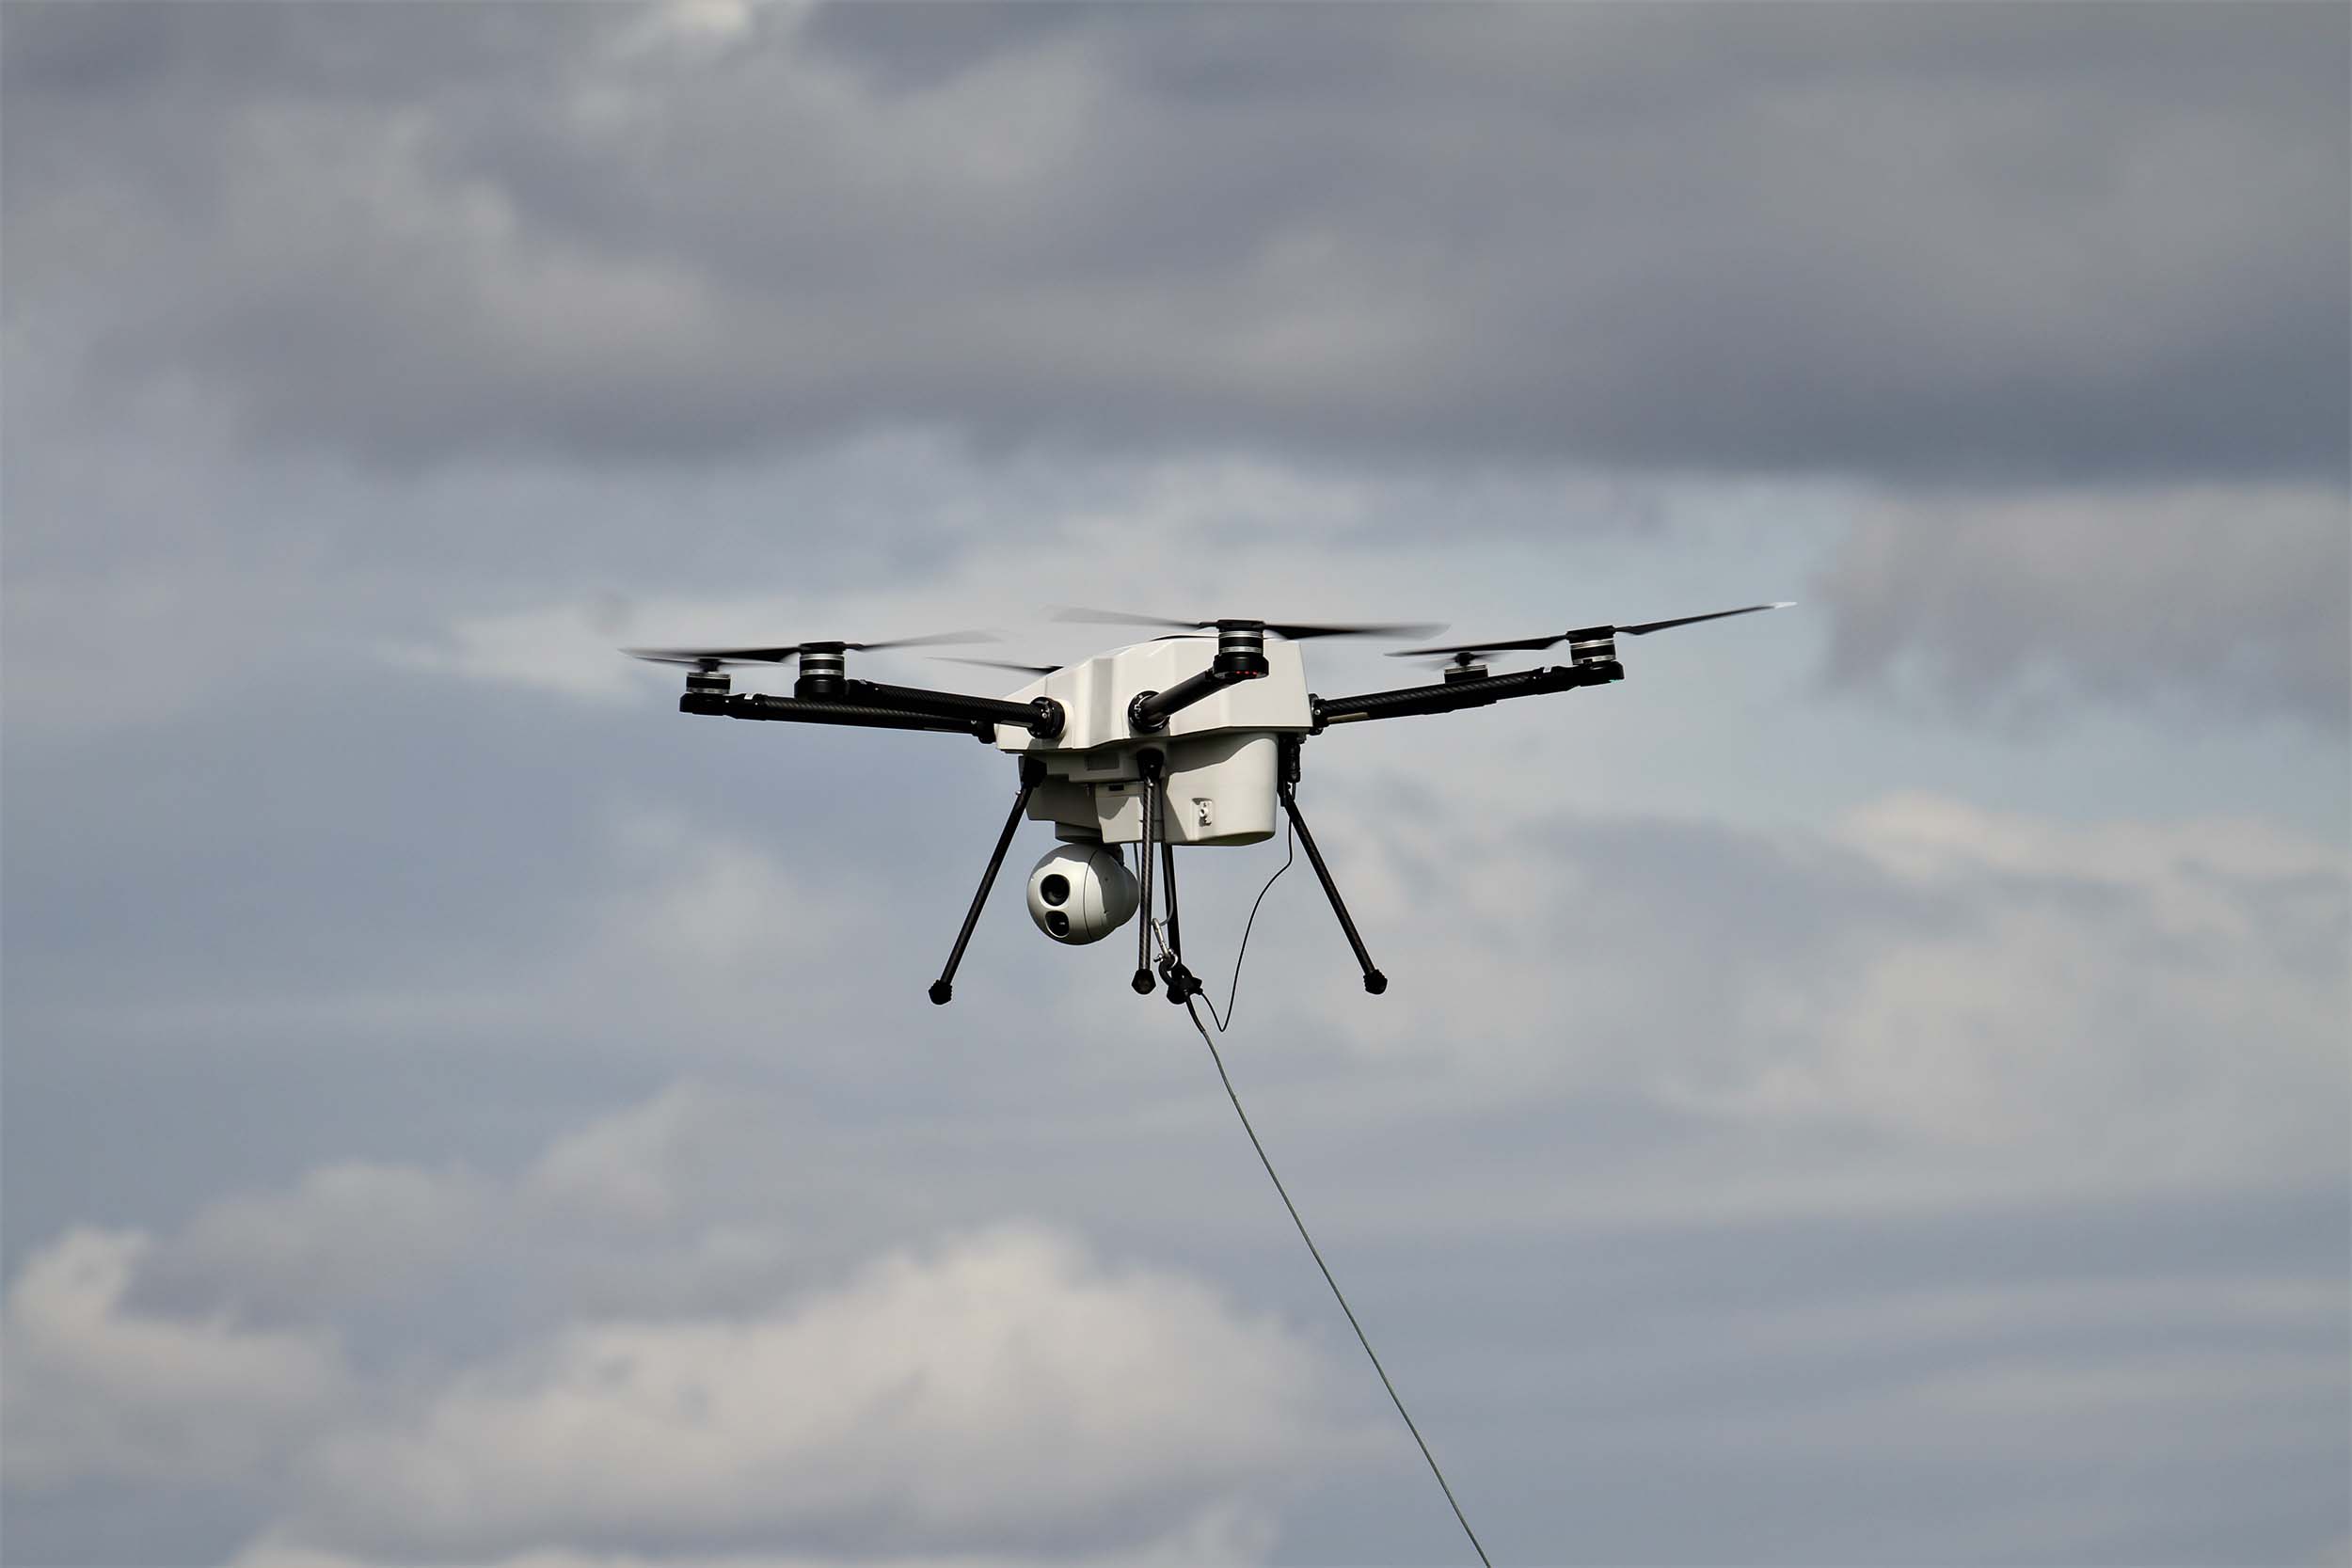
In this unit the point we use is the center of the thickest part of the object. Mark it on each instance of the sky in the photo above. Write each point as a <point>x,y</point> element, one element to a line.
<point>1870,1088</point>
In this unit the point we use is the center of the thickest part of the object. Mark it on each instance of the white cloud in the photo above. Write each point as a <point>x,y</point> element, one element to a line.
<point>341,1235</point>
<point>2144,994</point>
<point>1003,1395</point>
<point>96,1388</point>
<point>1219,1534</point>
<point>1003,1388</point>
<point>564,649</point>
<point>622,1166</point>
<point>2102,1005</point>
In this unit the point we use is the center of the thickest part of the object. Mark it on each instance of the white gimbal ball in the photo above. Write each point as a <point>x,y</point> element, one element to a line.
<point>1081,893</point>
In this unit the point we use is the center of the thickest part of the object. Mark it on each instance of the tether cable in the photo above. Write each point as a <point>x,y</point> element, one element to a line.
<point>1289,842</point>
<point>1316,1252</point>
<point>1160,934</point>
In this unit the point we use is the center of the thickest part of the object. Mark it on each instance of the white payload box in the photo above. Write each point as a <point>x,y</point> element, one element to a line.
<point>1222,752</point>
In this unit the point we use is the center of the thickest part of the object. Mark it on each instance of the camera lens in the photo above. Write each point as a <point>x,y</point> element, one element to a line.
<point>1055,889</point>
<point>1057,923</point>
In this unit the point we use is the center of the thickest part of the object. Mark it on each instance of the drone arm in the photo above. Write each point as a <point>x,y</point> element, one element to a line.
<point>1041,716</point>
<point>1444,697</point>
<point>1150,712</point>
<point>796,710</point>
<point>869,706</point>
<point>1240,656</point>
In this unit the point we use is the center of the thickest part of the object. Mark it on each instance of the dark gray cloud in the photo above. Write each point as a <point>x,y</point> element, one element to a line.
<point>1982,242</point>
<point>2189,603</point>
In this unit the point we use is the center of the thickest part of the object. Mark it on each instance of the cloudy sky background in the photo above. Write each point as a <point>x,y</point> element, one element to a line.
<point>1870,1088</point>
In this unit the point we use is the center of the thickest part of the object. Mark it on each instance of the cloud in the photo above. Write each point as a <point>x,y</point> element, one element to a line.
<point>2181,603</point>
<point>2012,1002</point>
<point>1002,1390</point>
<point>1930,1005</point>
<point>343,1236</point>
<point>95,1387</point>
<point>1919,1086</point>
<point>568,650</point>
<point>1218,1535</point>
<point>1001,1393</point>
<point>1972,244</point>
<point>2190,961</point>
<point>1892,1132</point>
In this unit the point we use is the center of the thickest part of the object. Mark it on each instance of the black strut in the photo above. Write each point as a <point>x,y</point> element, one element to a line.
<point>1181,980</point>
<point>1148,764</point>
<point>1032,775</point>
<point>1374,981</point>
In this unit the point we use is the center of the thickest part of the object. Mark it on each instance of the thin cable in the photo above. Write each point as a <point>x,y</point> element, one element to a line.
<point>1226,1078</point>
<point>1289,842</point>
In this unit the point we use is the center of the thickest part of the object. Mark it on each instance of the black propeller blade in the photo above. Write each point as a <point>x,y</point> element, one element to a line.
<point>1003,664</point>
<point>1294,630</point>
<point>1532,643</point>
<point>712,658</point>
<point>1648,627</point>
<point>1120,618</point>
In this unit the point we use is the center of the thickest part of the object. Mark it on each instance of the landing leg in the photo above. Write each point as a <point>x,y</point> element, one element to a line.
<point>944,988</point>
<point>1374,981</point>
<point>1150,763</point>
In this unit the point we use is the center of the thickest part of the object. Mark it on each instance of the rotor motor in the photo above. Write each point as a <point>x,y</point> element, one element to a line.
<point>1593,646</point>
<point>1081,893</point>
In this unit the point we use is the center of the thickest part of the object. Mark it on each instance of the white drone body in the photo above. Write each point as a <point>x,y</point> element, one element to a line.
<point>1220,755</point>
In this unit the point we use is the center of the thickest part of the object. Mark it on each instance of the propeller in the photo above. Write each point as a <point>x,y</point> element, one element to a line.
<point>1291,629</point>
<point>1002,664</point>
<point>712,658</point>
<point>1466,652</point>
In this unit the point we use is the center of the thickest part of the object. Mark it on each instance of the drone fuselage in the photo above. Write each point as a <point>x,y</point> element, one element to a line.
<point>1222,757</point>
<point>1188,740</point>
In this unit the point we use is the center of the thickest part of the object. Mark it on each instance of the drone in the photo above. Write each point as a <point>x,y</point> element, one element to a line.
<point>1189,739</point>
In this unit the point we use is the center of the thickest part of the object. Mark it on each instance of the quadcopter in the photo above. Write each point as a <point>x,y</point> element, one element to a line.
<point>1191,739</point>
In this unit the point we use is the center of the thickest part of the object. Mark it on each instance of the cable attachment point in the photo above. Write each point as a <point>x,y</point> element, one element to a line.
<point>1182,984</point>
